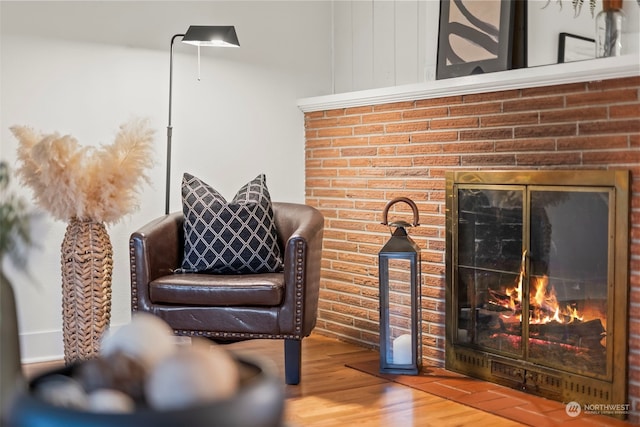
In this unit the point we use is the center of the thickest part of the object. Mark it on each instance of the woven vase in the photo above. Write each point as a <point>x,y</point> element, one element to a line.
<point>87,266</point>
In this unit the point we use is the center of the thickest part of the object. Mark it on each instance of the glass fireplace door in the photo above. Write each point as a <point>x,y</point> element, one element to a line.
<point>491,230</point>
<point>571,247</point>
<point>532,273</point>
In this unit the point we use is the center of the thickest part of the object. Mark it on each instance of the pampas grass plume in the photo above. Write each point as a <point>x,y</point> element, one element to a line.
<point>88,183</point>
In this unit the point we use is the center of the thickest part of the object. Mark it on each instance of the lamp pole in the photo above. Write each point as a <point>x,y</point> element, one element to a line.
<point>169,127</point>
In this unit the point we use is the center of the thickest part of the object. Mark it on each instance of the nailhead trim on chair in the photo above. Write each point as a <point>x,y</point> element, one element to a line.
<point>299,282</point>
<point>134,281</point>
<point>232,335</point>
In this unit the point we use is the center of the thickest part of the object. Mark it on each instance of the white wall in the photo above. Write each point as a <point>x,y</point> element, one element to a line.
<point>381,43</point>
<point>86,67</point>
<point>548,19</point>
<point>384,43</point>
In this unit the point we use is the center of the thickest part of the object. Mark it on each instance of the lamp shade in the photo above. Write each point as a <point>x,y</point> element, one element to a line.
<point>216,36</point>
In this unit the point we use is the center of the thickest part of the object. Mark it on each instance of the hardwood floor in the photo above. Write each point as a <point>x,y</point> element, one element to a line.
<point>333,394</point>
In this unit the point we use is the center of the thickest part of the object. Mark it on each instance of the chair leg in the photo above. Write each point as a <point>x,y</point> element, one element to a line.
<point>292,361</point>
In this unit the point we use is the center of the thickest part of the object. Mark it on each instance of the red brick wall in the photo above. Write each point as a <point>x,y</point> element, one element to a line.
<point>357,159</point>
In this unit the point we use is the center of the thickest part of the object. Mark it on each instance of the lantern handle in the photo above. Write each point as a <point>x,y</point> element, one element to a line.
<point>406,200</point>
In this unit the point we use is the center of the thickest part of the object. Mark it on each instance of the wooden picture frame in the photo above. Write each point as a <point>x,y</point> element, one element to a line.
<point>480,36</point>
<point>575,48</point>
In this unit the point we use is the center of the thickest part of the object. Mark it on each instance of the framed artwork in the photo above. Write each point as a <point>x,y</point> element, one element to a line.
<point>575,48</point>
<point>480,36</point>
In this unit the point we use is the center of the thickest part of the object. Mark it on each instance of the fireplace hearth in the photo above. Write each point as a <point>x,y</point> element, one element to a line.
<point>537,281</point>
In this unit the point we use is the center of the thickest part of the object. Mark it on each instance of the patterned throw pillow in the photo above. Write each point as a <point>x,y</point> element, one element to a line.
<point>226,238</point>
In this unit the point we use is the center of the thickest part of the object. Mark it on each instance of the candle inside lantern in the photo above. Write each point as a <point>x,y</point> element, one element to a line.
<point>402,350</point>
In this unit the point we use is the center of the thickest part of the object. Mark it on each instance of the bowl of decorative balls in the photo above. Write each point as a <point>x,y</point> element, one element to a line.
<point>142,377</point>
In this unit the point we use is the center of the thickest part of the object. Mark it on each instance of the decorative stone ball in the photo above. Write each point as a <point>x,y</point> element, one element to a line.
<point>116,371</point>
<point>109,400</point>
<point>200,373</point>
<point>62,391</point>
<point>147,339</point>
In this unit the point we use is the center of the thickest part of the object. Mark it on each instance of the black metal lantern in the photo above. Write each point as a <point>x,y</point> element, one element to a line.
<point>399,276</point>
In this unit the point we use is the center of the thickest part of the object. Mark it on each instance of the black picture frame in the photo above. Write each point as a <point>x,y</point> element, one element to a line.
<point>572,47</point>
<point>480,36</point>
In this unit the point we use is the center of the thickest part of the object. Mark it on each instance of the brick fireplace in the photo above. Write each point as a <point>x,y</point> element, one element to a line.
<point>358,158</point>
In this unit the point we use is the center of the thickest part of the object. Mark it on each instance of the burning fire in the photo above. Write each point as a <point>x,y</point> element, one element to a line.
<point>549,321</point>
<point>544,306</point>
<point>543,301</point>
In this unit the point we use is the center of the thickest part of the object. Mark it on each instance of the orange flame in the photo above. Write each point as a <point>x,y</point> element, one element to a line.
<point>543,301</point>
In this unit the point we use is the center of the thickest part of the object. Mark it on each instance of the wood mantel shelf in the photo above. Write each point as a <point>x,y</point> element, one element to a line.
<point>572,72</point>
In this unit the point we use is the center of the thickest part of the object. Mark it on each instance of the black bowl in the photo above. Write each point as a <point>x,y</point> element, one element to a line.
<point>258,403</point>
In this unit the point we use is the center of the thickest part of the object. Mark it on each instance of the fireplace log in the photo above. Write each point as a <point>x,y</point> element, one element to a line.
<point>587,334</point>
<point>501,302</point>
<point>497,307</point>
<point>591,328</point>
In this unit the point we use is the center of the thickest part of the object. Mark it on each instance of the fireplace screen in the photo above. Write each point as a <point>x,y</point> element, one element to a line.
<point>562,264</point>
<point>532,278</point>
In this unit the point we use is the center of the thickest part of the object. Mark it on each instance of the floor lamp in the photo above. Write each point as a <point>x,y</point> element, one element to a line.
<point>197,35</point>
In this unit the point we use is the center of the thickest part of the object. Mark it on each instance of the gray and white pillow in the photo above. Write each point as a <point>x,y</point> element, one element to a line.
<point>236,237</point>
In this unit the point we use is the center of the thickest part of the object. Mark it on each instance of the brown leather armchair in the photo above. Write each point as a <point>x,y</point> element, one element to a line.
<point>279,305</point>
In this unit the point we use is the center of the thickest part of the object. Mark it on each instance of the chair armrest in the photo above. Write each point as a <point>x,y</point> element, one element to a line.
<point>155,250</point>
<point>302,226</point>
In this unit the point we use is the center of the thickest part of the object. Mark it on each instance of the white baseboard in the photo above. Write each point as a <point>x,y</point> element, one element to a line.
<point>44,346</point>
